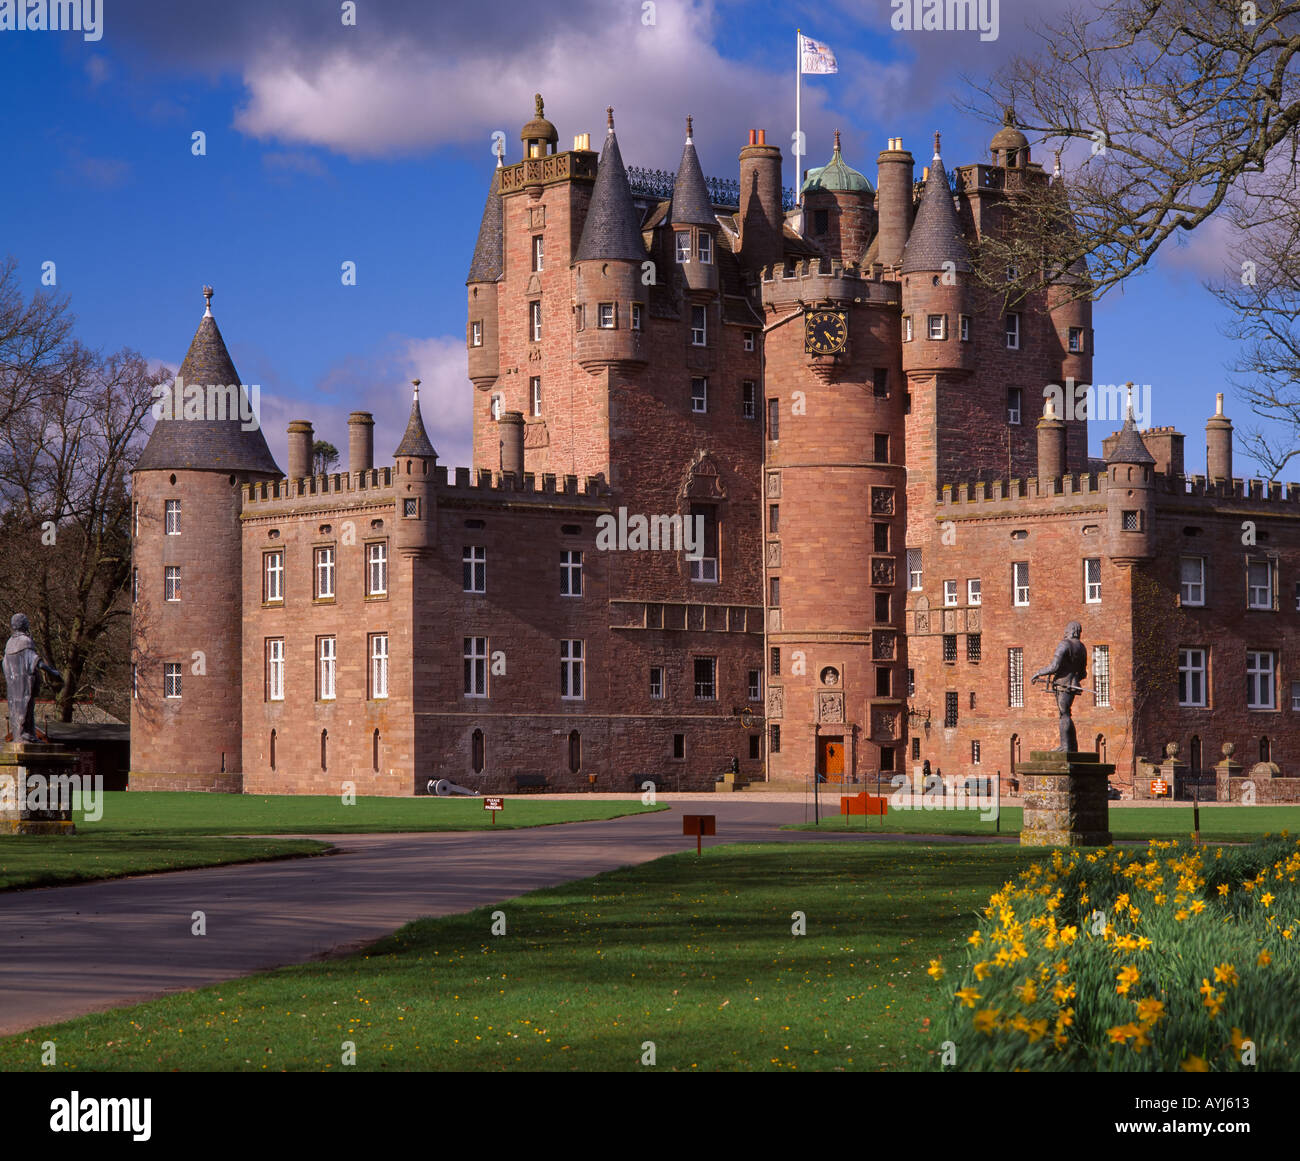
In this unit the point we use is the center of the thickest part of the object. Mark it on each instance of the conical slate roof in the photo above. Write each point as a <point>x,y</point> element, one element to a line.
<point>488,264</point>
<point>936,234</point>
<point>613,226</point>
<point>415,440</point>
<point>691,204</point>
<point>1129,448</point>
<point>207,444</point>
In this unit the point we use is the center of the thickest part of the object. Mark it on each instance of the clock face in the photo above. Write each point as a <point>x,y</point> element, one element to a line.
<point>825,332</point>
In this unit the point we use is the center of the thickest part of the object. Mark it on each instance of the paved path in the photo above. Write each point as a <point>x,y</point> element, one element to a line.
<point>66,951</point>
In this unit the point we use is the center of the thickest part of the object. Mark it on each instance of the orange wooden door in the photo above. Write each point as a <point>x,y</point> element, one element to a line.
<point>830,759</point>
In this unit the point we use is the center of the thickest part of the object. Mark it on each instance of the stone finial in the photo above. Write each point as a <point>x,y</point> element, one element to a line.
<point>690,127</point>
<point>1228,749</point>
<point>837,140</point>
<point>541,111</point>
<point>1009,116</point>
<point>415,384</point>
<point>936,145</point>
<point>609,118</point>
<point>207,298</point>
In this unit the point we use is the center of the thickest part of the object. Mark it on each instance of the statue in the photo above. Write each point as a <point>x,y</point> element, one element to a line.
<point>22,669</point>
<point>1065,679</point>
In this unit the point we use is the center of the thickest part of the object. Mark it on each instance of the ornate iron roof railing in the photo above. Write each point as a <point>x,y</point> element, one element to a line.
<point>724,192</point>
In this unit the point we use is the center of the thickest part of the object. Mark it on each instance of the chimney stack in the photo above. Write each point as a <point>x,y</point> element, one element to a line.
<point>894,201</point>
<point>301,438</point>
<point>761,217</point>
<point>361,441</point>
<point>1218,443</point>
<point>1051,446</point>
<point>511,424</point>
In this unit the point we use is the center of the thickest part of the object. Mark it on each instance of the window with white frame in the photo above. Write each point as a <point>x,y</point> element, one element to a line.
<point>907,328</point>
<point>1192,685</point>
<point>571,661</point>
<point>172,517</point>
<point>1130,520</point>
<point>494,407</point>
<point>1192,580</point>
<point>475,656</point>
<point>473,569</point>
<point>378,665</point>
<point>1295,695</point>
<point>754,685</point>
<point>1092,580</point>
<point>683,244</point>
<point>324,573</point>
<point>914,569</point>
<point>377,569</point>
<point>605,316</point>
<point>535,394</point>
<point>1020,582</point>
<point>1014,399</point>
<point>938,326</point>
<point>706,247</point>
<point>1259,679</point>
<point>275,669</point>
<point>748,400</point>
<point>273,585</point>
<point>963,323</point>
<point>135,680</point>
<point>699,395</point>
<point>537,252</point>
<point>699,326</point>
<point>172,582</point>
<point>974,753</point>
<point>171,679</point>
<point>1013,332</point>
<point>476,333</point>
<point>706,678</point>
<point>704,526</point>
<point>1259,582</point>
<point>570,572</point>
<point>973,596</point>
<point>638,314</point>
<point>135,585</point>
<point>535,321</point>
<point>326,667</point>
<point>1101,674</point>
<point>748,340</point>
<point>1016,677</point>
<point>950,593</point>
<point>656,682</point>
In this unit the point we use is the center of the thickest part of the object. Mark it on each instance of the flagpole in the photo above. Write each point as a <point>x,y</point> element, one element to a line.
<point>798,115</point>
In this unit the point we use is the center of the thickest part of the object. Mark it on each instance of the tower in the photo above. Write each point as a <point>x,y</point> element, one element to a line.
<point>760,218</point>
<point>1218,444</point>
<point>1130,497</point>
<point>838,207</point>
<point>187,620</point>
<point>413,480</point>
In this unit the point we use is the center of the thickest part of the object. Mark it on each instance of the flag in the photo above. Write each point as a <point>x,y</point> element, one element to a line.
<point>815,57</point>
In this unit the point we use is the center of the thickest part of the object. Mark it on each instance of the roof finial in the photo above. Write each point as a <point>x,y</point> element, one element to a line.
<point>609,118</point>
<point>207,297</point>
<point>690,129</point>
<point>1009,116</point>
<point>837,140</point>
<point>537,98</point>
<point>415,383</point>
<point>1128,407</point>
<point>1056,168</point>
<point>936,145</point>
<point>1049,408</point>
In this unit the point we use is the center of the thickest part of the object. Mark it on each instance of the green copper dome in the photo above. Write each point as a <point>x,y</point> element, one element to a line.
<point>837,176</point>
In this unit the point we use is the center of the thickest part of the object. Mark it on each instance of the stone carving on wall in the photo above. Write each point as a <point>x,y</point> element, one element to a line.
<point>773,554</point>
<point>882,645</point>
<point>922,614</point>
<point>830,706</point>
<point>972,620</point>
<point>774,485</point>
<point>950,620</point>
<point>882,501</point>
<point>882,570</point>
<point>830,675</point>
<point>776,701</point>
<point>885,723</point>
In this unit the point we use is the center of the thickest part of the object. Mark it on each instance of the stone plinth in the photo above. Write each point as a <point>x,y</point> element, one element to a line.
<point>1065,801</point>
<point>35,788</point>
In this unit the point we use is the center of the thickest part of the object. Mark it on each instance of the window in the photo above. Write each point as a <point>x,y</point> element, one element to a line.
<point>705,568</point>
<point>706,678</point>
<point>821,221</point>
<point>495,407</point>
<point>774,661</point>
<point>950,709</point>
<point>135,585</point>
<point>1092,580</point>
<point>476,666</point>
<point>324,749</point>
<point>172,517</point>
<point>882,607</point>
<point>275,669</point>
<point>881,448</point>
<point>884,682</point>
<point>1101,674</point>
<point>1259,582</point>
<point>605,316</point>
<point>1014,399</point>
<point>535,394</point>
<point>950,593</point>
<point>706,247</point>
<point>880,537</point>
<point>699,395</point>
<point>1297,596</point>
<point>1259,680</point>
<point>886,759</point>
<point>135,519</point>
<point>535,321</point>
<point>410,507</point>
<point>683,239</point>
<point>973,591</point>
<point>580,317</point>
<point>748,400</point>
<point>1013,332</point>
<point>1016,677</point>
<point>1295,693</point>
<point>963,327</point>
<point>537,252</point>
<point>938,326</point>
<point>172,582</point>
<point>326,667</point>
<point>378,665</point>
<point>974,753</point>
<point>950,647</point>
<point>907,328</point>
<point>974,647</point>
<point>376,570</point>
<point>1192,577</point>
<point>476,333</point>
<point>679,746</point>
<point>570,572</point>
<point>1192,685</point>
<point>656,682</point>
<point>638,313</point>
<point>571,669</point>
<point>773,419</point>
<point>273,583</point>
<point>477,751</point>
<point>1131,522</point>
<point>880,382</point>
<point>1265,749</point>
<point>1076,340</point>
<point>324,573</point>
<point>473,569</point>
<point>172,679</point>
<point>1020,582</point>
<point>754,684</point>
<point>748,340</point>
<point>699,326</point>
<point>916,749</point>
<point>914,569</point>
<point>1013,272</point>
<point>575,751</point>
<point>774,592</point>
<point>753,747</point>
<point>911,683</point>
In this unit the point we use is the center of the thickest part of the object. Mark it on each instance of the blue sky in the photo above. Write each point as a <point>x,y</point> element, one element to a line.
<point>372,144</point>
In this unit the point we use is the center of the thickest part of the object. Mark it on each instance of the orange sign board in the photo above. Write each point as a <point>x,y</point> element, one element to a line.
<point>1159,787</point>
<point>864,803</point>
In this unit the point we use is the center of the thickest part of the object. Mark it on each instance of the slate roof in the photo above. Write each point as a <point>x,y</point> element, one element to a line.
<point>691,204</point>
<point>218,445</point>
<point>415,440</point>
<point>936,235</point>
<point>613,226</point>
<point>1129,448</point>
<point>488,263</point>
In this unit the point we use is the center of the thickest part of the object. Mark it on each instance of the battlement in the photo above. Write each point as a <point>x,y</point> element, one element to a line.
<point>470,484</point>
<point>821,279</point>
<point>1004,496</point>
<point>331,483</point>
<point>1246,491</point>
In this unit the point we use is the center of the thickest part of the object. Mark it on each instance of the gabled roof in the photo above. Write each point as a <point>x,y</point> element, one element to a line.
<point>415,440</point>
<point>218,445</point>
<point>691,204</point>
<point>613,226</point>
<point>488,264</point>
<point>936,234</point>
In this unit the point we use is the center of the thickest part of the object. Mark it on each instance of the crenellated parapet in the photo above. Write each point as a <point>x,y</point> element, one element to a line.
<point>814,280</point>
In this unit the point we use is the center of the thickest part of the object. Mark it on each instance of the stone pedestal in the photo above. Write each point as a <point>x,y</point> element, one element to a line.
<point>1064,798</point>
<point>35,788</point>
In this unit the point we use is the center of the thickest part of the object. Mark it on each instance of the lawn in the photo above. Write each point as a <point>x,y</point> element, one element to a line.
<point>1218,823</point>
<point>693,954</point>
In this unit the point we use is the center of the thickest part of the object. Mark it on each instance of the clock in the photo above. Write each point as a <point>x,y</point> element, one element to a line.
<point>825,332</point>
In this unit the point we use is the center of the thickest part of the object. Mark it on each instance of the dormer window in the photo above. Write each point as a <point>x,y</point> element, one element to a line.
<point>706,247</point>
<point>683,246</point>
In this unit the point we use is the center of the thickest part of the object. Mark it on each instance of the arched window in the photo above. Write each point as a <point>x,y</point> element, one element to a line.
<point>1100,746</point>
<point>478,751</point>
<point>324,745</point>
<point>1194,752</point>
<point>575,751</point>
<point>374,752</point>
<point>1265,750</point>
<point>272,749</point>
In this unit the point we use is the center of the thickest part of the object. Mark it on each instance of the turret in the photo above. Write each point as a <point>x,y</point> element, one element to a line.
<point>694,224</point>
<point>1051,445</point>
<point>893,201</point>
<point>482,335</point>
<point>301,438</point>
<point>413,480</point>
<point>1130,496</point>
<point>1218,443</point>
<point>839,216</point>
<point>1009,147</point>
<point>1067,300</point>
<point>361,442</point>
<point>539,136</point>
<point>607,268</point>
<point>761,217</point>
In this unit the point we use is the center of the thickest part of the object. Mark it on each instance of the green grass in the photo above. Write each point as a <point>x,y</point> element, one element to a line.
<point>694,954</point>
<point>1218,823</point>
<point>52,860</point>
<point>140,812</point>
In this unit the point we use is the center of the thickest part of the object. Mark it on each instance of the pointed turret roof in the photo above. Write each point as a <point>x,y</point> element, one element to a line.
<point>488,263</point>
<point>613,225</point>
<point>415,440</point>
<point>210,443</point>
<point>936,233</point>
<point>1129,448</point>
<point>691,203</point>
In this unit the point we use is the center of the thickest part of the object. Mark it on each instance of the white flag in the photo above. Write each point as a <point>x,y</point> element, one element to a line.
<point>815,57</point>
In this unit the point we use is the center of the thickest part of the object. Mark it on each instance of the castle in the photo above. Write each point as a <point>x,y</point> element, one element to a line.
<point>869,529</point>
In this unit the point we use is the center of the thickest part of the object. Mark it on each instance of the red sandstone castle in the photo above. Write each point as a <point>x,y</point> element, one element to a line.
<point>892,538</point>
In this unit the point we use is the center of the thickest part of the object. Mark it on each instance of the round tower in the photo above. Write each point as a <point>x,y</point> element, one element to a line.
<point>894,169</point>
<point>839,215</point>
<point>482,337</point>
<point>1218,443</point>
<point>187,552</point>
<point>417,501</point>
<point>694,224</point>
<point>1130,496</point>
